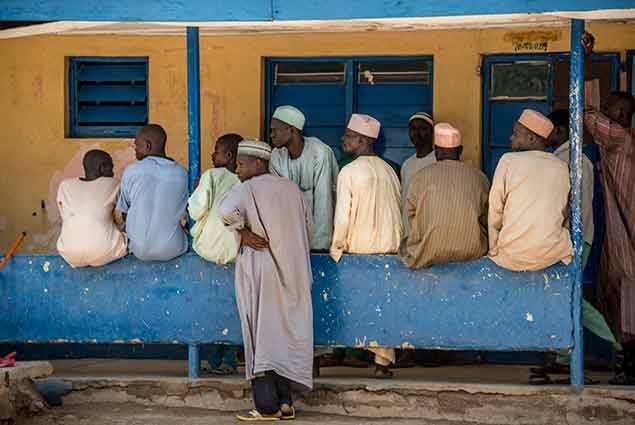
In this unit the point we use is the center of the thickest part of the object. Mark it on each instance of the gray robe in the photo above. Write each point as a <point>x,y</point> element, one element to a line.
<point>273,286</point>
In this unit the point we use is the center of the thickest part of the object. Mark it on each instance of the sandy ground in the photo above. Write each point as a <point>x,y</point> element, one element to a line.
<point>131,414</point>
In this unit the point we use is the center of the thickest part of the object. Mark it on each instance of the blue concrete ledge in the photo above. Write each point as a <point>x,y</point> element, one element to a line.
<point>360,301</point>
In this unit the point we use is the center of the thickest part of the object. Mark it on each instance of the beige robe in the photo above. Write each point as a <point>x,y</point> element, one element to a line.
<point>89,236</point>
<point>409,169</point>
<point>368,213</point>
<point>528,210</point>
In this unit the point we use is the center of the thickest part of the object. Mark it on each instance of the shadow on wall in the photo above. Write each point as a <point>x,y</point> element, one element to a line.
<point>46,242</point>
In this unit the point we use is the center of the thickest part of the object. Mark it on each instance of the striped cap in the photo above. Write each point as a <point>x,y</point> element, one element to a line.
<point>255,148</point>
<point>422,116</point>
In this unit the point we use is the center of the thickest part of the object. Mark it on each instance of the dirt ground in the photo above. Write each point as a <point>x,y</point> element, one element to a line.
<point>132,414</point>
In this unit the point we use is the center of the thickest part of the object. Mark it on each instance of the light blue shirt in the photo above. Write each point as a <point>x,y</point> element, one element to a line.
<point>154,197</point>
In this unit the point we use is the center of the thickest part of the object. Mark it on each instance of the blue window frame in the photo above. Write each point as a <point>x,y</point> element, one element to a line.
<point>108,96</point>
<point>329,89</point>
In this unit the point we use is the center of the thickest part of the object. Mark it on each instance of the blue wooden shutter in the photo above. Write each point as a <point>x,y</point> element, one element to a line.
<point>108,96</point>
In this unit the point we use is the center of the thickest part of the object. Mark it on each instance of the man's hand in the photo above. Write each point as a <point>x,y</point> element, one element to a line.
<point>252,240</point>
<point>588,42</point>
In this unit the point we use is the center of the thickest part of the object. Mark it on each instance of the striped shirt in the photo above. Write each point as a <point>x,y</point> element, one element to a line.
<point>447,212</point>
<point>617,266</point>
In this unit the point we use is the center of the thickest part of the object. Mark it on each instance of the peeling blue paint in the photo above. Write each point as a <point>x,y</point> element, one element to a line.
<point>473,305</point>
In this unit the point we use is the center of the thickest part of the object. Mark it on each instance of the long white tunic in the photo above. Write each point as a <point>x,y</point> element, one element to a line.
<point>368,214</point>
<point>273,286</point>
<point>89,236</point>
<point>315,172</point>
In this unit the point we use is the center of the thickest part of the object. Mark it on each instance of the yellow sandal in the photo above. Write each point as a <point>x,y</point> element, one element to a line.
<point>254,415</point>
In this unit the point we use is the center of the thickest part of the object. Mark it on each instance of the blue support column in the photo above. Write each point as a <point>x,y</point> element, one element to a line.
<point>193,106</point>
<point>193,361</point>
<point>576,117</point>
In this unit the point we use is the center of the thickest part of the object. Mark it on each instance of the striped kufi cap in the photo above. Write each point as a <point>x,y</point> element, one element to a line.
<point>255,148</point>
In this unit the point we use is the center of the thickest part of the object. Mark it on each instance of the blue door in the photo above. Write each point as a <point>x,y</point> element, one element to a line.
<point>512,83</point>
<point>329,90</point>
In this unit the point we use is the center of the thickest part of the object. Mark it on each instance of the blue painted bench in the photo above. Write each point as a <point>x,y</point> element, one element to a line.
<point>360,301</point>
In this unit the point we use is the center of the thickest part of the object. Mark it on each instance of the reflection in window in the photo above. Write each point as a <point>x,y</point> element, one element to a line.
<point>520,80</point>
<point>411,71</point>
<point>309,72</point>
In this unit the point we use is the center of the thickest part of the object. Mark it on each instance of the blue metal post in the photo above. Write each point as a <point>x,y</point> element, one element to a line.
<point>193,361</point>
<point>576,117</point>
<point>193,106</point>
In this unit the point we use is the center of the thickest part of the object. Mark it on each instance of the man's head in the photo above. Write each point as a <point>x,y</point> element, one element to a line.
<point>150,140</point>
<point>620,107</point>
<point>97,163</point>
<point>421,129</point>
<point>360,135</point>
<point>560,120</point>
<point>287,122</point>
<point>447,142</point>
<point>531,131</point>
<point>253,159</point>
<point>226,151</point>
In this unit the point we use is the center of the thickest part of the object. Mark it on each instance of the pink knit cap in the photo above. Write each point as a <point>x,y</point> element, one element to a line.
<point>536,122</point>
<point>364,124</point>
<point>446,136</point>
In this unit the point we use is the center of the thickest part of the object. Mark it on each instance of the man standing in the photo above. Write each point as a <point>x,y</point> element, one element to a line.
<point>612,132</point>
<point>89,236</point>
<point>528,201</point>
<point>446,207</point>
<point>421,130</point>
<point>273,281</point>
<point>367,215</point>
<point>153,199</point>
<point>311,164</point>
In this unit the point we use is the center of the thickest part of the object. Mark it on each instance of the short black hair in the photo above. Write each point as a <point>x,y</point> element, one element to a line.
<point>625,97</point>
<point>559,117</point>
<point>155,134</point>
<point>94,159</point>
<point>230,141</point>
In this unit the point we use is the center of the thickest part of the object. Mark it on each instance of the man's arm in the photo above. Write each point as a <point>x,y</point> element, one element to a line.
<point>324,200</point>
<point>497,197</point>
<point>342,217</point>
<point>232,213</point>
<point>123,204</point>
<point>605,132</point>
<point>199,204</point>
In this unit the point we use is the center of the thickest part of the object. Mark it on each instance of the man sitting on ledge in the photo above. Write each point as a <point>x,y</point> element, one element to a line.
<point>153,199</point>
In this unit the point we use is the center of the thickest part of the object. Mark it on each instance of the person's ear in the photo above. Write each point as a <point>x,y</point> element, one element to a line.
<point>147,145</point>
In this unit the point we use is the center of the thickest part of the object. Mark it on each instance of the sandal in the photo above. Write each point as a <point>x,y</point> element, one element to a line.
<point>224,370</point>
<point>288,416</point>
<point>543,379</point>
<point>254,415</point>
<point>622,379</point>
<point>382,372</point>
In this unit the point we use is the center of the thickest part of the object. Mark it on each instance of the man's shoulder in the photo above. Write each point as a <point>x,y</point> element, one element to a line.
<point>318,147</point>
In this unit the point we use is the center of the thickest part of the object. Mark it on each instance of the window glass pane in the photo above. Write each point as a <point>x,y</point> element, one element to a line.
<point>412,71</point>
<point>310,72</point>
<point>520,80</point>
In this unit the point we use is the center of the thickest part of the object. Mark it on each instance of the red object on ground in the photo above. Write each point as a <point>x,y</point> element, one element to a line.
<point>8,360</point>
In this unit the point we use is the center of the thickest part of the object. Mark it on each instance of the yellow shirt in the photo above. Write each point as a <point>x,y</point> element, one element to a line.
<point>528,210</point>
<point>367,213</point>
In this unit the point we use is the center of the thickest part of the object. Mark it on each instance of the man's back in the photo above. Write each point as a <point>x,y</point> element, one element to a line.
<point>89,236</point>
<point>447,211</point>
<point>528,211</point>
<point>368,214</point>
<point>154,197</point>
<point>211,240</point>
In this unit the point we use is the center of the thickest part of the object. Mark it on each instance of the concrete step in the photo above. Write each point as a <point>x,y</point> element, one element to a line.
<point>452,399</point>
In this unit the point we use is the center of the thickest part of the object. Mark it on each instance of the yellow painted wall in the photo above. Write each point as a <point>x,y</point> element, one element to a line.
<point>36,154</point>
